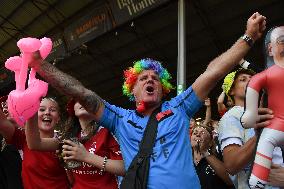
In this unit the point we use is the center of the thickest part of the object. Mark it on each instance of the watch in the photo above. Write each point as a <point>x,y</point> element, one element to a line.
<point>248,40</point>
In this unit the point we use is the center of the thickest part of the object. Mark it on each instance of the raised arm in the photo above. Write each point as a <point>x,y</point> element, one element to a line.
<point>219,168</point>
<point>33,137</point>
<point>69,86</point>
<point>236,157</point>
<point>221,65</point>
<point>207,103</point>
<point>220,103</point>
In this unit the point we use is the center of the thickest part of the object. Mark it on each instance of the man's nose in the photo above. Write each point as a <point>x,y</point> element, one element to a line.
<point>150,80</point>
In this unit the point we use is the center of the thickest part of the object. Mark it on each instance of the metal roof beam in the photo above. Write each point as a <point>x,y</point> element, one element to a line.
<point>35,3</point>
<point>16,27</point>
<point>30,23</point>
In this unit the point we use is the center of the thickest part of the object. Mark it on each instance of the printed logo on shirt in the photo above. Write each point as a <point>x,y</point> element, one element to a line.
<point>93,147</point>
<point>117,152</point>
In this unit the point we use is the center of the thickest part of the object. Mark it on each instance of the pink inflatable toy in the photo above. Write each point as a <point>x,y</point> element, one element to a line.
<point>23,103</point>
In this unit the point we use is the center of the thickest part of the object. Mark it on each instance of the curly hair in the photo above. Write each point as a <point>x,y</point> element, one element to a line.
<point>131,75</point>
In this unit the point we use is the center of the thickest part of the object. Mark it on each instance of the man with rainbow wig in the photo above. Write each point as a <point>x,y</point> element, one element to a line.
<point>146,83</point>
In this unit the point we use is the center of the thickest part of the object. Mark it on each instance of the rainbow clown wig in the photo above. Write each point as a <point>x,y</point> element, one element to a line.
<point>131,75</point>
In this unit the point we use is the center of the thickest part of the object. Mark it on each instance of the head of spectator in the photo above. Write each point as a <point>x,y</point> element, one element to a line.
<point>146,83</point>
<point>77,117</point>
<point>48,116</point>
<point>202,138</point>
<point>235,85</point>
<point>274,46</point>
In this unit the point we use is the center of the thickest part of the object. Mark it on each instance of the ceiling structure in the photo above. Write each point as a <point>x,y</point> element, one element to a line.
<point>212,26</point>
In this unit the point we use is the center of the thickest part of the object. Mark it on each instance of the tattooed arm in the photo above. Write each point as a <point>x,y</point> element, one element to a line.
<point>69,86</point>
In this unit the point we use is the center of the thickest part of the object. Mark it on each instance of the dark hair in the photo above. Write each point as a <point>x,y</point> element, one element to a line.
<point>239,72</point>
<point>205,126</point>
<point>72,128</point>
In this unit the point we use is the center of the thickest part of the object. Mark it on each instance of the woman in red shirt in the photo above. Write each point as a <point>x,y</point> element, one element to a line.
<point>98,150</point>
<point>39,169</point>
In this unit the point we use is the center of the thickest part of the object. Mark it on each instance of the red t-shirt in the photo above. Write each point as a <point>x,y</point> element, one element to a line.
<point>87,176</point>
<point>40,170</point>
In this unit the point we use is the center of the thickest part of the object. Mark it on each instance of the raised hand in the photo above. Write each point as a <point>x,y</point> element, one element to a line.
<point>256,25</point>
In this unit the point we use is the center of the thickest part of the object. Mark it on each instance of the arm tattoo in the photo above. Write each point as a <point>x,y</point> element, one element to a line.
<point>70,86</point>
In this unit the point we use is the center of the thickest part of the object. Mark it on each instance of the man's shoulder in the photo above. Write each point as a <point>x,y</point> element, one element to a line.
<point>230,122</point>
<point>235,111</point>
<point>231,116</point>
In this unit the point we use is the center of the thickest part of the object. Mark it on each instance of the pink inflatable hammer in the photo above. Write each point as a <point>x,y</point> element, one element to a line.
<point>24,103</point>
<point>46,46</point>
<point>14,64</point>
<point>27,47</point>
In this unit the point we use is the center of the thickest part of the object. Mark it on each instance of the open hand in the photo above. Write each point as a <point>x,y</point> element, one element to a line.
<point>264,115</point>
<point>276,175</point>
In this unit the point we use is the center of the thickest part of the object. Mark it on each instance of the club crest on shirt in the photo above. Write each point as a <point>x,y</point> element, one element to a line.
<point>93,147</point>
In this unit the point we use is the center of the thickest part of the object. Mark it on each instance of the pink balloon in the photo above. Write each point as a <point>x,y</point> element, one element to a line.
<point>24,103</point>
<point>46,46</point>
<point>29,45</point>
<point>14,64</point>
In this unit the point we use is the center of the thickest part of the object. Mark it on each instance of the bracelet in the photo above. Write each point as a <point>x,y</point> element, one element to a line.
<point>248,40</point>
<point>104,166</point>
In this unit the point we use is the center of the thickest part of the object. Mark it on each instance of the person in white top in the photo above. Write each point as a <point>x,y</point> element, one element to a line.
<point>238,144</point>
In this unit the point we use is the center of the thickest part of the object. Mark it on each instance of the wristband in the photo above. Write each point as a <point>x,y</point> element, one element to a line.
<point>104,166</point>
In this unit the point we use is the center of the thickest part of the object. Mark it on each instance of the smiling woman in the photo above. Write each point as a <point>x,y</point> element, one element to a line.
<point>34,171</point>
<point>90,153</point>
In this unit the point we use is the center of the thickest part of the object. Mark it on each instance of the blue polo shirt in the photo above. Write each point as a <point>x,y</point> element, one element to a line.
<point>171,163</point>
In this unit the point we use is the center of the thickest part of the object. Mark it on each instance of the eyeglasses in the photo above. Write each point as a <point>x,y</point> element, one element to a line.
<point>280,40</point>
